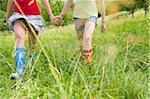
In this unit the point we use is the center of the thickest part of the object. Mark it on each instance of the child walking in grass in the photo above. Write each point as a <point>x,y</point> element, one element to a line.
<point>25,12</point>
<point>85,19</point>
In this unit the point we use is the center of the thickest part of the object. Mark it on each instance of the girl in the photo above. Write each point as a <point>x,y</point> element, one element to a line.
<point>25,11</point>
<point>85,18</point>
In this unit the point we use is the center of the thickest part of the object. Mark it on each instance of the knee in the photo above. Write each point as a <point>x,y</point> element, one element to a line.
<point>20,37</point>
<point>87,38</point>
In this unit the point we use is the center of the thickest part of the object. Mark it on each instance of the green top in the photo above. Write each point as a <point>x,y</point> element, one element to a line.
<point>85,8</point>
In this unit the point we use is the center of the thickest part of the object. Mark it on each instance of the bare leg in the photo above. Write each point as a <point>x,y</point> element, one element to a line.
<point>87,42</point>
<point>19,30</point>
<point>79,26</point>
<point>32,40</point>
<point>32,43</point>
<point>88,33</point>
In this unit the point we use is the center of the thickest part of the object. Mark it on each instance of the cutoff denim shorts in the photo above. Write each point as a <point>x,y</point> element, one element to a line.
<point>91,18</point>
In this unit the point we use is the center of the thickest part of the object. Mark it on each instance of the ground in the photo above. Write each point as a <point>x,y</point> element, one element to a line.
<point>120,67</point>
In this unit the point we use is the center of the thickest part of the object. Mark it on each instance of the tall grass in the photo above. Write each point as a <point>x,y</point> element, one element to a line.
<point>120,69</point>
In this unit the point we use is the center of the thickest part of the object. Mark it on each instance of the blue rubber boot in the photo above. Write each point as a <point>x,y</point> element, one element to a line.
<point>20,63</point>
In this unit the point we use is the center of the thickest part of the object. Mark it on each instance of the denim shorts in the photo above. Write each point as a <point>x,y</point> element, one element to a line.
<point>36,21</point>
<point>91,18</point>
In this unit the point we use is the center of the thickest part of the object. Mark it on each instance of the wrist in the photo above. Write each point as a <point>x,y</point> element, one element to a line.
<point>103,17</point>
<point>7,16</point>
<point>51,17</point>
<point>62,15</point>
<point>103,21</point>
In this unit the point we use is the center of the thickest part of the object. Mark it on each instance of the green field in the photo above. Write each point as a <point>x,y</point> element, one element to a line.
<point>120,69</point>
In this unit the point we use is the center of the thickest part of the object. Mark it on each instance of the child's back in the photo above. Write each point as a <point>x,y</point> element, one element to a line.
<point>29,7</point>
<point>85,8</point>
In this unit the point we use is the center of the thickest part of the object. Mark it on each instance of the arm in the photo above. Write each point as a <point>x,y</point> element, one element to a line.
<point>48,8</point>
<point>10,6</point>
<point>58,18</point>
<point>101,8</point>
<point>67,5</point>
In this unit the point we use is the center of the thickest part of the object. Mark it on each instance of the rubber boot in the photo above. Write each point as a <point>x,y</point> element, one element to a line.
<point>87,56</point>
<point>20,63</point>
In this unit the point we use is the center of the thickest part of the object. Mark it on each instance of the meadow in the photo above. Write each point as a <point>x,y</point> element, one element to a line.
<point>120,67</point>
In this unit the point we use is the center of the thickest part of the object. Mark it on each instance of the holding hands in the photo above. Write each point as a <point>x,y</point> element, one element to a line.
<point>57,19</point>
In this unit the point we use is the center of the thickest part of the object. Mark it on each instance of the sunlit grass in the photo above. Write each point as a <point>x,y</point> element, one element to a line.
<point>120,69</point>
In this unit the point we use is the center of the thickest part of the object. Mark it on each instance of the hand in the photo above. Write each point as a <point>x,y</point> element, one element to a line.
<point>103,26</point>
<point>7,23</point>
<point>56,20</point>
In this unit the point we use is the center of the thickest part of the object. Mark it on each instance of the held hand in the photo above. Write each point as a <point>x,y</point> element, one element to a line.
<point>103,26</point>
<point>56,20</point>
